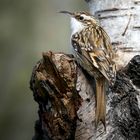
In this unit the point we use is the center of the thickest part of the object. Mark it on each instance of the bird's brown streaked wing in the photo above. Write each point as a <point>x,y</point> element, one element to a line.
<point>102,64</point>
<point>102,53</point>
<point>82,57</point>
<point>99,56</point>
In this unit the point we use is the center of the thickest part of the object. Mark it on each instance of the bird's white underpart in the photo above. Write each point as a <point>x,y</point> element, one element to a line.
<point>76,26</point>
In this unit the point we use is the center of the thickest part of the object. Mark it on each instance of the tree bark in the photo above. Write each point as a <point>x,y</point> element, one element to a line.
<point>53,83</point>
<point>65,92</point>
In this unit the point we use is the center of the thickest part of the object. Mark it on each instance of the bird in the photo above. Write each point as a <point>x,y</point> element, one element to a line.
<point>93,51</point>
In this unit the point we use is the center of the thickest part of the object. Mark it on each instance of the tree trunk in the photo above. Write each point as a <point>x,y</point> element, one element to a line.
<point>65,93</point>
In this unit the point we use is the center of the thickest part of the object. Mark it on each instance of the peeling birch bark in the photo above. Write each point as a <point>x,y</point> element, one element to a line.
<point>122,104</point>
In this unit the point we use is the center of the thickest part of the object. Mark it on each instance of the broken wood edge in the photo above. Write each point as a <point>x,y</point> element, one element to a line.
<point>53,83</point>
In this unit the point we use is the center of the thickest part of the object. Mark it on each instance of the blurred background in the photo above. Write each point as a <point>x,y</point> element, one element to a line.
<point>27,28</point>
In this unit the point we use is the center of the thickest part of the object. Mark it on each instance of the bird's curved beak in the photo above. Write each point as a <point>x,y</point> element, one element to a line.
<point>67,12</point>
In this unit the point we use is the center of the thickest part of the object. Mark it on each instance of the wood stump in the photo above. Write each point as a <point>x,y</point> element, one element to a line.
<point>66,101</point>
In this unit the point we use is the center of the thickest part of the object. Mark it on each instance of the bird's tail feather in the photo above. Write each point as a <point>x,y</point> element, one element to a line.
<point>100,113</point>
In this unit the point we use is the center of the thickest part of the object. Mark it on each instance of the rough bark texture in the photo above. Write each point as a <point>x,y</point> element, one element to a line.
<point>53,85</point>
<point>65,94</point>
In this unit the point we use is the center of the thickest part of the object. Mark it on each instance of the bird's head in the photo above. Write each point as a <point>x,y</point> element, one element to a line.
<point>80,20</point>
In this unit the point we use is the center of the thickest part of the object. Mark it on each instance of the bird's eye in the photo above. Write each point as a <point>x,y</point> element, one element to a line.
<point>81,17</point>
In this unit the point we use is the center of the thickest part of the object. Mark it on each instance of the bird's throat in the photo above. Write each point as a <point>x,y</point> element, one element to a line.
<point>76,26</point>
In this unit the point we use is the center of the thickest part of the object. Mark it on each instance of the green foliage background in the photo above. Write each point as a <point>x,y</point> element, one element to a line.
<point>27,28</point>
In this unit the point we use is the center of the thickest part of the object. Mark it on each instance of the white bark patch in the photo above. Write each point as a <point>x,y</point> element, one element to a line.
<point>86,128</point>
<point>138,98</point>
